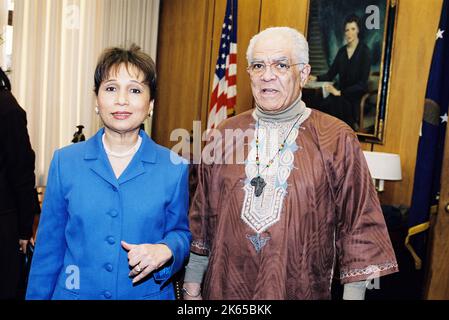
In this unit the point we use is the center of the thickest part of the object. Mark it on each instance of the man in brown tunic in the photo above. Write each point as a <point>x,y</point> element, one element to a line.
<point>284,194</point>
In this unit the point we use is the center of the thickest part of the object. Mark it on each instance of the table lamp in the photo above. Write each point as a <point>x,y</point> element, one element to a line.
<point>383,166</point>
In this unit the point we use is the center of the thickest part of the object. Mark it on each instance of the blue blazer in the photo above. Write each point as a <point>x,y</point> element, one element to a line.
<point>87,211</point>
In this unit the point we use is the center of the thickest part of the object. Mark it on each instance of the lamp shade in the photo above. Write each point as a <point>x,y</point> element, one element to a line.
<point>384,166</point>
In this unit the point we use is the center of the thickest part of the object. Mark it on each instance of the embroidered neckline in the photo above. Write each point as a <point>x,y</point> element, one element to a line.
<point>258,182</point>
<point>260,213</point>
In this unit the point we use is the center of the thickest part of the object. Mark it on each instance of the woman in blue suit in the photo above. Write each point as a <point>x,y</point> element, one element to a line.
<point>114,220</point>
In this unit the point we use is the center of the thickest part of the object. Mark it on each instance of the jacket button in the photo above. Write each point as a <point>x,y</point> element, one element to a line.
<point>110,240</point>
<point>108,267</point>
<point>107,295</point>
<point>114,188</point>
<point>113,213</point>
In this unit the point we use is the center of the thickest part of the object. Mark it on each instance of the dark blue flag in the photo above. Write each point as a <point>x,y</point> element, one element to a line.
<point>431,142</point>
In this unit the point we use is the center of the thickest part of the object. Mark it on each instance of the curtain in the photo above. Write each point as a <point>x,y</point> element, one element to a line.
<point>55,49</point>
<point>139,24</point>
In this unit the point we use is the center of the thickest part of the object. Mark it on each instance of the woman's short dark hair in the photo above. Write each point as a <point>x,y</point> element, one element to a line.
<point>352,18</point>
<point>112,58</point>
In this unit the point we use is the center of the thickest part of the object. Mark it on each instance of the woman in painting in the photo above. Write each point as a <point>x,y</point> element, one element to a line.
<point>352,65</point>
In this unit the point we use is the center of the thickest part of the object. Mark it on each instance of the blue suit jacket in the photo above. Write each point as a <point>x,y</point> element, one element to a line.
<point>87,211</point>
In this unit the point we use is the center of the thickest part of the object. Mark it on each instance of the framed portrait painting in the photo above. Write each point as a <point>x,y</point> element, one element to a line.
<point>350,46</point>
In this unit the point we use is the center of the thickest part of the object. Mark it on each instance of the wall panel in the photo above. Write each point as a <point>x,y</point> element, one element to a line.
<point>413,47</point>
<point>182,62</point>
<point>289,13</point>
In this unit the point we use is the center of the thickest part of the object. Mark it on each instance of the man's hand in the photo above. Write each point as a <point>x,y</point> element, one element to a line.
<point>23,245</point>
<point>193,289</point>
<point>145,258</point>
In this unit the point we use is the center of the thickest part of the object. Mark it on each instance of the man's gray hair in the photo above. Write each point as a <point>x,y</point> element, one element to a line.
<point>300,45</point>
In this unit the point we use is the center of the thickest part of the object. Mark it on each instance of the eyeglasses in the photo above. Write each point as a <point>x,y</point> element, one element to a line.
<point>280,67</point>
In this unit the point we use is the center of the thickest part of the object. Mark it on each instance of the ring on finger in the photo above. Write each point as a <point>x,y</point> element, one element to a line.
<point>138,268</point>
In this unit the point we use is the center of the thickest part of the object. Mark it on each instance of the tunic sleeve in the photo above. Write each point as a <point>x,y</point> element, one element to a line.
<point>363,245</point>
<point>199,213</point>
<point>203,210</point>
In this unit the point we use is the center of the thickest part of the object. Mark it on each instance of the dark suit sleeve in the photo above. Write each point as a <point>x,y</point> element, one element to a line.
<point>333,70</point>
<point>19,159</point>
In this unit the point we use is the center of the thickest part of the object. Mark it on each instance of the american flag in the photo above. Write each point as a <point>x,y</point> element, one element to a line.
<point>224,89</point>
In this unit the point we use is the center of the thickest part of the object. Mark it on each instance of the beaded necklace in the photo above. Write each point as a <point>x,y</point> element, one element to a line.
<point>258,182</point>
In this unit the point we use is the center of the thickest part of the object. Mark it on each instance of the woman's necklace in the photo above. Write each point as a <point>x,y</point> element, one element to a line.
<point>258,182</point>
<point>125,154</point>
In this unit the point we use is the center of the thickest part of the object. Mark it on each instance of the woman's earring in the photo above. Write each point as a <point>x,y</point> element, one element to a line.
<point>96,110</point>
<point>152,108</point>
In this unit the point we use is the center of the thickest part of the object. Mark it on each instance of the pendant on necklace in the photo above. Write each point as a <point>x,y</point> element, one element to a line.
<point>258,183</point>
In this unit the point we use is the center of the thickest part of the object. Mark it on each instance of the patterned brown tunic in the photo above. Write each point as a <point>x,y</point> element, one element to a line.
<point>330,218</point>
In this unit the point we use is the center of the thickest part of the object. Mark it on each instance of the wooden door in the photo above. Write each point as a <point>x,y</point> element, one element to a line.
<point>183,57</point>
<point>437,287</point>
